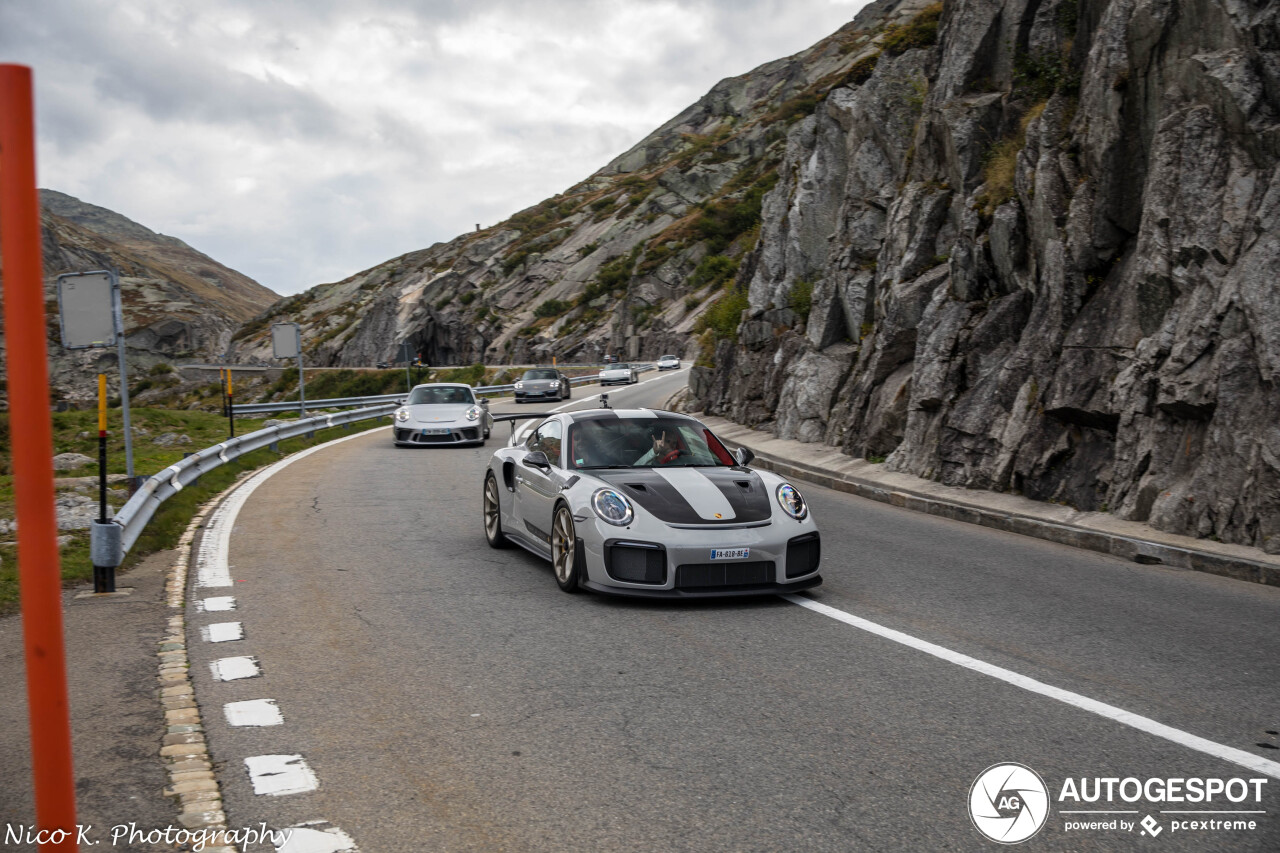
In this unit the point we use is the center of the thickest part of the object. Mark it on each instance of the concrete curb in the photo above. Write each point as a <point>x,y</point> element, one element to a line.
<point>1126,547</point>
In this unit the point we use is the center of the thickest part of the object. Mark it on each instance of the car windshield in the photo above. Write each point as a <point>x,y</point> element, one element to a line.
<point>667,358</point>
<point>619,367</point>
<point>540,374</point>
<point>437,396</point>
<point>644,443</point>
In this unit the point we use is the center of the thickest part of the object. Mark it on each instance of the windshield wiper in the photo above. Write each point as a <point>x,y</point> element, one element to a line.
<point>602,467</point>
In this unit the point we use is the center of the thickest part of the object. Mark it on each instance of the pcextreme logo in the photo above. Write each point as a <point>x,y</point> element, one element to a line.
<point>1008,803</point>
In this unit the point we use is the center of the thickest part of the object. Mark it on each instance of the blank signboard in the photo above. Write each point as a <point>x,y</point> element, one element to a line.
<point>286,340</point>
<point>86,310</point>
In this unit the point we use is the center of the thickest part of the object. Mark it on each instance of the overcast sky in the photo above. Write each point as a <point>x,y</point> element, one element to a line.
<point>301,141</point>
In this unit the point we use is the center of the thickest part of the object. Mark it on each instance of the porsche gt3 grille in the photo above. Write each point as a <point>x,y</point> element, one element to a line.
<point>713,575</point>
<point>413,435</point>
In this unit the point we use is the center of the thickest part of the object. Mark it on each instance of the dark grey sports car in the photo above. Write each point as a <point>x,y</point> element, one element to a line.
<point>648,503</point>
<point>543,383</point>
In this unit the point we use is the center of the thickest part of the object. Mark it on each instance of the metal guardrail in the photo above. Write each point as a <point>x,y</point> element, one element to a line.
<point>109,542</point>
<point>343,402</point>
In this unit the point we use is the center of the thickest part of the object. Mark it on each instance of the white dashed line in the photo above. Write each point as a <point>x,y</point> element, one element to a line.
<point>222,632</point>
<point>278,775</point>
<point>253,712</point>
<point>1093,706</point>
<point>215,604</point>
<point>233,669</point>
<point>310,838</point>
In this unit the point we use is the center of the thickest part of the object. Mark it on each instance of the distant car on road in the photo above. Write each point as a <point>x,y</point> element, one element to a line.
<point>442,413</point>
<point>669,362</point>
<point>543,383</point>
<point>649,503</point>
<point>382,365</point>
<point>618,374</point>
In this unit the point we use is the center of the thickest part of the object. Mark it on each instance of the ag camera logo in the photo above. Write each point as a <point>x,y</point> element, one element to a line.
<point>1008,803</point>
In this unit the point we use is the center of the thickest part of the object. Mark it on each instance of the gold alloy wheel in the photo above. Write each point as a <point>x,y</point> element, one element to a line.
<point>492,510</point>
<point>562,549</point>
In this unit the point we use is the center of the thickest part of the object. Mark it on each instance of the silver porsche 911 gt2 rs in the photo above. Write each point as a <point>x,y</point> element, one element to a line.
<point>648,503</point>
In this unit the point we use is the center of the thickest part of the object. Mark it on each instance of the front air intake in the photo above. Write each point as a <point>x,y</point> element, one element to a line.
<point>803,554</point>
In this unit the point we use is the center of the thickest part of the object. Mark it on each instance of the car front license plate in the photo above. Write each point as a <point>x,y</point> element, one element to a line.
<point>435,432</point>
<point>730,553</point>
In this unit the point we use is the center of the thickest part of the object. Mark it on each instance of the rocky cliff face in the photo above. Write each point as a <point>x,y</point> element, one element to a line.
<point>1035,250</point>
<point>179,304</point>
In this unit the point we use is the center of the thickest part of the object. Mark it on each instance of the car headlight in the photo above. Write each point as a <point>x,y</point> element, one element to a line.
<point>473,413</point>
<point>402,415</point>
<point>612,507</point>
<point>792,502</point>
<point>519,385</point>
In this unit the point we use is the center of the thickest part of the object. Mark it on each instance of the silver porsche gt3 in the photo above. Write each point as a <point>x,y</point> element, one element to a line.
<point>441,413</point>
<point>648,503</point>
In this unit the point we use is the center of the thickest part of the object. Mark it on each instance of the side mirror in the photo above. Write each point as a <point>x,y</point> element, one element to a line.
<point>484,401</point>
<point>744,456</point>
<point>538,459</point>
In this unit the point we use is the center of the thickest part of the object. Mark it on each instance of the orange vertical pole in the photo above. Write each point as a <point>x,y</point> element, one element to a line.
<point>31,439</point>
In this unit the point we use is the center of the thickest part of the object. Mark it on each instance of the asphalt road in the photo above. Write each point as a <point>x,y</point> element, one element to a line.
<point>449,697</point>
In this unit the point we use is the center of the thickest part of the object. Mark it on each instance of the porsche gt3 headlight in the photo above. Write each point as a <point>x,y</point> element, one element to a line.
<point>402,415</point>
<point>473,413</point>
<point>791,502</point>
<point>612,507</point>
<point>519,386</point>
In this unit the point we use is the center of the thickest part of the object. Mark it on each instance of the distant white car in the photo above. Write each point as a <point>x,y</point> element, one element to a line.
<point>618,374</point>
<point>441,413</point>
<point>669,362</point>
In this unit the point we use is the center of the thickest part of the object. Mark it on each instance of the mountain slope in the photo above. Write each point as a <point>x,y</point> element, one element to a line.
<point>178,303</point>
<point>628,261</point>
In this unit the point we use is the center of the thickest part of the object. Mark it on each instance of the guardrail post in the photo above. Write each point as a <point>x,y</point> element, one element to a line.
<point>107,552</point>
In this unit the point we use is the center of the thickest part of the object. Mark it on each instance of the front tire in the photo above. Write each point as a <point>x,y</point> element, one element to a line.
<point>493,514</point>
<point>564,552</point>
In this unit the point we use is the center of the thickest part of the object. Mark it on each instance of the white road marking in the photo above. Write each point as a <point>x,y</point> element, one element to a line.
<point>278,775</point>
<point>212,567</point>
<point>219,602</point>
<point>253,712</point>
<point>1111,712</point>
<point>222,632</point>
<point>305,838</point>
<point>233,669</point>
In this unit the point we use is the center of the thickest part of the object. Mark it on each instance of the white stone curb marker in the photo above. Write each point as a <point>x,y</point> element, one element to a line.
<point>233,669</point>
<point>253,712</point>
<point>317,837</point>
<point>222,632</point>
<point>277,775</point>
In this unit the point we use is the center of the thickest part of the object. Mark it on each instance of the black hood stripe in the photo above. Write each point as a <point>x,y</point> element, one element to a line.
<point>742,488</point>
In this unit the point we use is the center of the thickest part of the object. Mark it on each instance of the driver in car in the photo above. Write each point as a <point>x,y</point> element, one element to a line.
<point>666,448</point>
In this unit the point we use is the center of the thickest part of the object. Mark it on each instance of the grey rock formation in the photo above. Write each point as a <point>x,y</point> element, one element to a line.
<point>1056,277</point>
<point>71,461</point>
